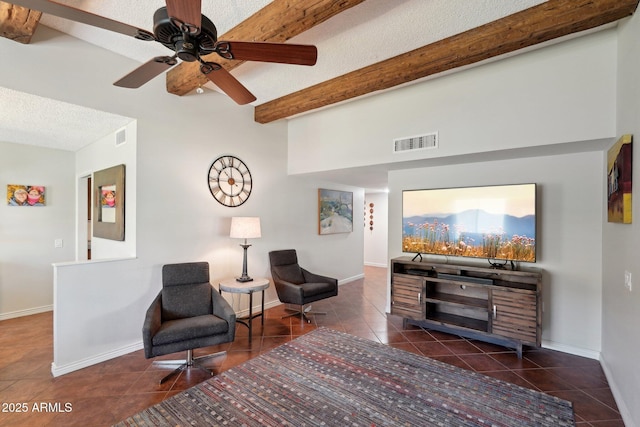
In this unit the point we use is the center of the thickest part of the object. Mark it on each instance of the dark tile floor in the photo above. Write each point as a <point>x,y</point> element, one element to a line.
<point>108,392</point>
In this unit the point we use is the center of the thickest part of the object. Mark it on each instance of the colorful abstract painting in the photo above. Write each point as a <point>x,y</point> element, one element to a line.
<point>619,180</point>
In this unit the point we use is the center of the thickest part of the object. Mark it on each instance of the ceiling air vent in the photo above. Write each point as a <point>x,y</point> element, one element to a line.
<point>419,142</point>
<point>121,137</point>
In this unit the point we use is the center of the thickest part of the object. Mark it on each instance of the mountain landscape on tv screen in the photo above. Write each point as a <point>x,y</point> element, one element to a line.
<point>471,233</point>
<point>474,223</point>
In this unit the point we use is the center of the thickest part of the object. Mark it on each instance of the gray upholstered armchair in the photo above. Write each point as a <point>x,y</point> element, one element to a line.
<point>187,314</point>
<point>295,285</point>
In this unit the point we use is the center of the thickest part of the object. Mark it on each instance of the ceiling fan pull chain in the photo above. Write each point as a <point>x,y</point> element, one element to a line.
<point>223,49</point>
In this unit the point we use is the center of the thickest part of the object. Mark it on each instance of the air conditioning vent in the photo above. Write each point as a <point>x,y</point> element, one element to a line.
<point>420,142</point>
<point>121,137</point>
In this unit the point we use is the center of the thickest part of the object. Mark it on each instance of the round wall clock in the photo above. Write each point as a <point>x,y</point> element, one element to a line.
<point>230,181</point>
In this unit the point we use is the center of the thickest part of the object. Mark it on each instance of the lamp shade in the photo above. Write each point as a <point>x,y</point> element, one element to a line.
<point>245,227</point>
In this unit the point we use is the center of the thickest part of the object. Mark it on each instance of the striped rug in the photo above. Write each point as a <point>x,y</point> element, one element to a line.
<point>329,378</point>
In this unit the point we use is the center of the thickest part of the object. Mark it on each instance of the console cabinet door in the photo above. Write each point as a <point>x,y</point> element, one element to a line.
<point>515,314</point>
<point>407,296</point>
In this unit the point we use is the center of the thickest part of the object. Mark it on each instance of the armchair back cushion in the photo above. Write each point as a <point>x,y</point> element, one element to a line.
<point>284,264</point>
<point>186,291</point>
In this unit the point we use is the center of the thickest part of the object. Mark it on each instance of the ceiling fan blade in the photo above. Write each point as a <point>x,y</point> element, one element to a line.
<point>146,72</point>
<point>187,12</point>
<point>227,83</point>
<point>268,52</point>
<point>78,15</point>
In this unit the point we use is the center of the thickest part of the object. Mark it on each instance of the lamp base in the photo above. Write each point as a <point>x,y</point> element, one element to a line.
<point>245,277</point>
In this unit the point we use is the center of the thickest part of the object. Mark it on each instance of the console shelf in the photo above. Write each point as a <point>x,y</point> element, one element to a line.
<point>493,305</point>
<point>444,298</point>
<point>445,319</point>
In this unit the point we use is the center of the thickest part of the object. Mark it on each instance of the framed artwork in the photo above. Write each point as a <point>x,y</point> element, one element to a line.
<point>108,203</point>
<point>619,181</point>
<point>25,195</point>
<point>335,211</point>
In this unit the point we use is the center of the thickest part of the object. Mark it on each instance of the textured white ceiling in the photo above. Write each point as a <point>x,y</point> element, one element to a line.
<point>365,34</point>
<point>34,120</point>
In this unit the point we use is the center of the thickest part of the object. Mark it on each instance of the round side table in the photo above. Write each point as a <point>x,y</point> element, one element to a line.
<point>257,284</point>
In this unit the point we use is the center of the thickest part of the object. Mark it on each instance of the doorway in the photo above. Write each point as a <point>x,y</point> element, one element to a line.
<point>83,243</point>
<point>376,229</point>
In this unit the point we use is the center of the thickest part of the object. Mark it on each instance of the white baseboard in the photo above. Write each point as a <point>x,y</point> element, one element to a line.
<point>617,395</point>
<point>256,308</point>
<point>376,264</point>
<point>98,358</point>
<point>576,351</point>
<point>351,279</point>
<point>26,312</point>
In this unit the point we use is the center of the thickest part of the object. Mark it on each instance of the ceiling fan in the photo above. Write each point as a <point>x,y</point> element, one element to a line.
<point>181,27</point>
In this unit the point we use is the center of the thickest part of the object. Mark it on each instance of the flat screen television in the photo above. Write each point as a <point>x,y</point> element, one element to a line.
<point>493,222</point>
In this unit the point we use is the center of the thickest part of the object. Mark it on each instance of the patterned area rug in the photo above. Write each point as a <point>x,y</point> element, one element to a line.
<point>329,378</point>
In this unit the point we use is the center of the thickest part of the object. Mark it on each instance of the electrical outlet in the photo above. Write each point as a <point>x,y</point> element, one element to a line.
<point>627,280</point>
<point>58,243</point>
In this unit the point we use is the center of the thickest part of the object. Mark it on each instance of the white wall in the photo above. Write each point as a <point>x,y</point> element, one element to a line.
<point>104,154</point>
<point>555,95</point>
<point>177,218</point>
<point>27,234</point>
<point>621,245</point>
<point>376,240</point>
<point>569,234</point>
<point>557,100</point>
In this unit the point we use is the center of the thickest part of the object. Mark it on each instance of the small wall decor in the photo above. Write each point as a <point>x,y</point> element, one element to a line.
<point>619,180</point>
<point>108,206</point>
<point>370,213</point>
<point>335,211</point>
<point>365,213</point>
<point>25,195</point>
<point>371,216</point>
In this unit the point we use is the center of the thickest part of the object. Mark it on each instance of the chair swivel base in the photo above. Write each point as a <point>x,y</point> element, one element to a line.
<point>302,312</point>
<point>189,362</point>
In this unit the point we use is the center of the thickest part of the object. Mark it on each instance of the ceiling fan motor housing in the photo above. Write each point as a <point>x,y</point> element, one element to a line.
<point>188,47</point>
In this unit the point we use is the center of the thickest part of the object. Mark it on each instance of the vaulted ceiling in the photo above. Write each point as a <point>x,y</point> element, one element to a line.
<point>364,46</point>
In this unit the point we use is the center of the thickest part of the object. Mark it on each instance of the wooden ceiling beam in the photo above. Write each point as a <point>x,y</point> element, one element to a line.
<point>18,23</point>
<point>547,21</point>
<point>277,22</point>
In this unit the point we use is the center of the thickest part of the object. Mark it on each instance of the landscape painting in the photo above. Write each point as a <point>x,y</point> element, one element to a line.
<point>335,211</point>
<point>494,222</point>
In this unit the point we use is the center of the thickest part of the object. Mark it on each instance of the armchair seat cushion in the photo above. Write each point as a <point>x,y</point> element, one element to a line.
<point>178,330</point>
<point>313,289</point>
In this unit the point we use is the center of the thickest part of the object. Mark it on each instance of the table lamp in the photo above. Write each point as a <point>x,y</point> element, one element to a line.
<point>243,227</point>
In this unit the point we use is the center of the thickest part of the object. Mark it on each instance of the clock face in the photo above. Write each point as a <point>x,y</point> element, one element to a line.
<point>230,181</point>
